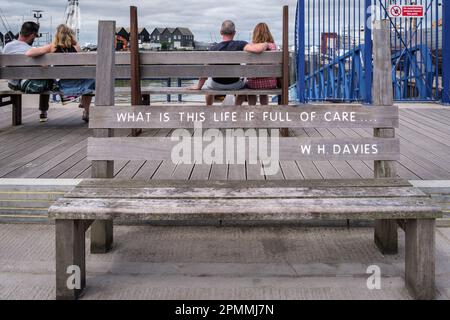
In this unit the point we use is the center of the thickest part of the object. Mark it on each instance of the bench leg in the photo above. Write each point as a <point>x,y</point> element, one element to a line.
<point>70,259</point>
<point>16,109</point>
<point>386,236</point>
<point>101,236</point>
<point>420,258</point>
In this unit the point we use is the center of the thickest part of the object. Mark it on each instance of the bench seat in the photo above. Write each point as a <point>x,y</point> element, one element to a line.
<point>101,201</point>
<point>246,200</point>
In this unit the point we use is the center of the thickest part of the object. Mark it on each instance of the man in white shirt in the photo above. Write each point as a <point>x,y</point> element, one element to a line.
<point>28,33</point>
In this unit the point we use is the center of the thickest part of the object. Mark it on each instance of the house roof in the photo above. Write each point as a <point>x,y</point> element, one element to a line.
<point>127,30</point>
<point>120,29</point>
<point>171,30</point>
<point>160,30</point>
<point>185,31</point>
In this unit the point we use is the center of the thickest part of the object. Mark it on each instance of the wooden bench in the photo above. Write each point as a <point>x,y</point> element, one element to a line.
<point>153,65</point>
<point>97,203</point>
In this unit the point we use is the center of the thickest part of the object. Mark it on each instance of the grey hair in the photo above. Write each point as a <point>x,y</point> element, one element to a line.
<point>228,28</point>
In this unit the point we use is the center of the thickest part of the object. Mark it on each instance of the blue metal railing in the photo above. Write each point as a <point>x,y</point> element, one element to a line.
<point>342,79</point>
<point>334,50</point>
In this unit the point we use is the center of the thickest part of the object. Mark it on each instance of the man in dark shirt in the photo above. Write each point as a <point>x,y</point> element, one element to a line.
<point>228,32</point>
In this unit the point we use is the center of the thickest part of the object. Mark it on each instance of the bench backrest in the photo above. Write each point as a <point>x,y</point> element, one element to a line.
<point>153,65</point>
<point>104,148</point>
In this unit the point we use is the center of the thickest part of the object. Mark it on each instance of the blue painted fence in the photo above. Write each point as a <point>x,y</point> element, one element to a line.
<point>334,50</point>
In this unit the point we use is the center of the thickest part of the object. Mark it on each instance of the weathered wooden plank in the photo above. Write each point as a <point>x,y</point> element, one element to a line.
<point>57,72</point>
<point>184,90</point>
<point>147,58</point>
<point>187,71</point>
<point>53,59</point>
<point>289,149</point>
<point>386,235</point>
<point>420,258</point>
<point>382,91</point>
<point>243,117</point>
<point>177,90</point>
<point>70,253</point>
<point>244,209</point>
<point>105,183</point>
<point>102,231</point>
<point>192,58</point>
<point>242,193</point>
<point>147,72</point>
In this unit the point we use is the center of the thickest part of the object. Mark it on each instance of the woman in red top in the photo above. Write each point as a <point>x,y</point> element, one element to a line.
<point>262,34</point>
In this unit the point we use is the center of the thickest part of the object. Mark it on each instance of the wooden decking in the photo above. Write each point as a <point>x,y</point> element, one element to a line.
<point>57,150</point>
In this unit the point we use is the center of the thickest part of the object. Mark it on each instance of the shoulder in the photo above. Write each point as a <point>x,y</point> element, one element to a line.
<point>215,47</point>
<point>240,45</point>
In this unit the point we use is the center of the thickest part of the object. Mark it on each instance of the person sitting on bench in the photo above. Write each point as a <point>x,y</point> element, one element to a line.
<point>28,33</point>
<point>228,32</point>
<point>65,42</point>
<point>262,34</point>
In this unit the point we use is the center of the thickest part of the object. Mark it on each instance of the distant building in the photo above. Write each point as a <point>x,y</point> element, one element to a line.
<point>144,35</point>
<point>173,38</point>
<point>155,36</point>
<point>122,32</point>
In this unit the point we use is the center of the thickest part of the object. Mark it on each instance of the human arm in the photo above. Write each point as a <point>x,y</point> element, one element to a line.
<point>36,52</point>
<point>256,47</point>
<point>201,82</point>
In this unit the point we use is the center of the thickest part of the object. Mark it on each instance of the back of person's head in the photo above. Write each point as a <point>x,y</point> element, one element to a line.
<point>64,37</point>
<point>228,28</point>
<point>262,34</point>
<point>29,28</point>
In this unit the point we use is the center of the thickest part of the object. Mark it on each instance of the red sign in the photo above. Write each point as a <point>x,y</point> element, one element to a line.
<point>405,11</point>
<point>395,11</point>
<point>413,11</point>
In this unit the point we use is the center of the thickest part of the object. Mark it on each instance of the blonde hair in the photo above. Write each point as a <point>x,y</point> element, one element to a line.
<point>64,37</point>
<point>262,34</point>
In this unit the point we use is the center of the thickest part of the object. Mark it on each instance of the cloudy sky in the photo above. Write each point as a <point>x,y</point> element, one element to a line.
<point>203,17</point>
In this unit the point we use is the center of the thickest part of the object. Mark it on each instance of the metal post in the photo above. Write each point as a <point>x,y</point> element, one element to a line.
<point>136,94</point>
<point>301,51</point>
<point>446,52</point>
<point>368,68</point>
<point>169,84</point>
<point>180,84</point>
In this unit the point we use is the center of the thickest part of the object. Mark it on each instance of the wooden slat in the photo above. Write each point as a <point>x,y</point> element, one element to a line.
<point>147,58</point>
<point>263,117</point>
<point>204,71</point>
<point>243,193</point>
<point>184,90</point>
<point>59,72</point>
<point>147,72</point>
<point>55,59</point>
<point>290,149</point>
<point>341,183</point>
<point>211,57</point>
<point>176,90</point>
<point>244,209</point>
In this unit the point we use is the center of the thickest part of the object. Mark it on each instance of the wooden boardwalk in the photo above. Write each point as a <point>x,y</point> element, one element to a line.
<point>57,150</point>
